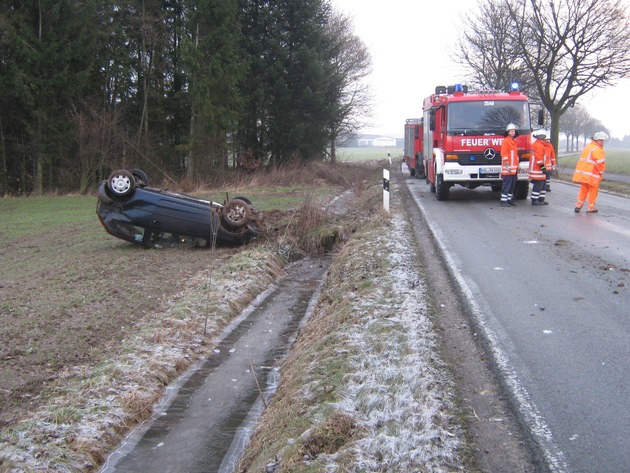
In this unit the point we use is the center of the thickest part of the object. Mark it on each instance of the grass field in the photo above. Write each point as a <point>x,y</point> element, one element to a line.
<point>617,161</point>
<point>367,154</point>
<point>82,313</point>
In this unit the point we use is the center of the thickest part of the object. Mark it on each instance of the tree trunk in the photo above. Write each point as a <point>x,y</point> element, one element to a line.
<point>190,160</point>
<point>4,183</point>
<point>333,150</point>
<point>555,127</point>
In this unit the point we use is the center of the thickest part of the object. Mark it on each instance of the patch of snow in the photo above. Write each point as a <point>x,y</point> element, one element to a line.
<point>397,390</point>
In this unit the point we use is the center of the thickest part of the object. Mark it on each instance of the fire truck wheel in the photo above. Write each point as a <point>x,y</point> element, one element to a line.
<point>420,174</point>
<point>521,189</point>
<point>419,171</point>
<point>441,189</point>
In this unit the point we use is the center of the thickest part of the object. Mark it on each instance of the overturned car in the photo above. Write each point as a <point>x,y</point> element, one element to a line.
<point>131,210</point>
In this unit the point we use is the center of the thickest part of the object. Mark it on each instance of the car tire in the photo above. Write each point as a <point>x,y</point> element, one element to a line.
<point>237,213</point>
<point>245,199</point>
<point>121,183</point>
<point>141,177</point>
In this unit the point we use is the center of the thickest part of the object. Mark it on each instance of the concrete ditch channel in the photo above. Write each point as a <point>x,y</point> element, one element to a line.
<point>207,416</point>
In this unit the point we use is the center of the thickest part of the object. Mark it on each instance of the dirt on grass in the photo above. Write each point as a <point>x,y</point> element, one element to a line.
<point>65,306</point>
<point>93,328</point>
<point>92,324</point>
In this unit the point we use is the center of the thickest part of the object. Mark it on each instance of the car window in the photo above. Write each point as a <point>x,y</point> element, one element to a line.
<point>132,232</point>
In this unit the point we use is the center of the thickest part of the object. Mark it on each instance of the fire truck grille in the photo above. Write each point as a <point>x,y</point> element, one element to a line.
<point>477,159</point>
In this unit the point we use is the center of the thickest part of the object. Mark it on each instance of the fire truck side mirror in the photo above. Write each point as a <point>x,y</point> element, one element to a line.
<point>541,117</point>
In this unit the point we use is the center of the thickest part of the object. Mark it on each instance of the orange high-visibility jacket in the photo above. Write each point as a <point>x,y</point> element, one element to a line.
<point>591,165</point>
<point>509,156</point>
<point>551,155</point>
<point>539,158</point>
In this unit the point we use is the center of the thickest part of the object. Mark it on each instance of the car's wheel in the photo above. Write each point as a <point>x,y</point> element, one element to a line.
<point>240,197</point>
<point>141,177</point>
<point>237,213</point>
<point>121,183</point>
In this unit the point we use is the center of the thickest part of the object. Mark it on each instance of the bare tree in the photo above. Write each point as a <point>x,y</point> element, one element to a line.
<point>351,64</point>
<point>571,47</point>
<point>592,126</point>
<point>559,49</point>
<point>572,125</point>
<point>487,51</point>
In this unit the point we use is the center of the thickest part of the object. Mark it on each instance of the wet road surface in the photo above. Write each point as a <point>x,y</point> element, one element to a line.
<point>204,423</point>
<point>547,290</point>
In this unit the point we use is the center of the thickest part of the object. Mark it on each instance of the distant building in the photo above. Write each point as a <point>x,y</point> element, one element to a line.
<point>376,141</point>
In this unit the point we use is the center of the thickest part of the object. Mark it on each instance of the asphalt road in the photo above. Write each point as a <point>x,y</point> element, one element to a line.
<point>549,290</point>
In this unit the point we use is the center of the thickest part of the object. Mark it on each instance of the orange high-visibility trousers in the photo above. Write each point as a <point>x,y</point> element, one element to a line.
<point>587,192</point>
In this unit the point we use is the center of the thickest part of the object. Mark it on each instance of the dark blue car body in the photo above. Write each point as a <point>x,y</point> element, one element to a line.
<point>154,217</point>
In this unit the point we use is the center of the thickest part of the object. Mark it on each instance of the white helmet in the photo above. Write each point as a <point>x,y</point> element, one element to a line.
<point>511,126</point>
<point>600,135</point>
<point>539,134</point>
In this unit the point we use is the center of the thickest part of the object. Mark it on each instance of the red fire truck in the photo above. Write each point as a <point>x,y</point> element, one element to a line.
<point>463,133</point>
<point>412,151</point>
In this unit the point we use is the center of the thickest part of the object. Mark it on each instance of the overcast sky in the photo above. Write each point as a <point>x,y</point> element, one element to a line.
<point>411,44</point>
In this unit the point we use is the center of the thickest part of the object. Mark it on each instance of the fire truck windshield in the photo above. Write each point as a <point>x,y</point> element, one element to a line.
<point>486,116</point>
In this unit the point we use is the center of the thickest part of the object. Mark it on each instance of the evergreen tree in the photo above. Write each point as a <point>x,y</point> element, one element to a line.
<point>47,56</point>
<point>287,92</point>
<point>214,67</point>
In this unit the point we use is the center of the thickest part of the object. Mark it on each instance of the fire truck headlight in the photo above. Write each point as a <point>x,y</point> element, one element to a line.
<point>451,157</point>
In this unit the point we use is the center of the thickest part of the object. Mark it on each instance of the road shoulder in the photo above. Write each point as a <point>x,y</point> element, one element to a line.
<point>497,440</point>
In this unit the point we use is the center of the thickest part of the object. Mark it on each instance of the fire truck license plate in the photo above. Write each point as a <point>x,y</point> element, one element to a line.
<point>489,171</point>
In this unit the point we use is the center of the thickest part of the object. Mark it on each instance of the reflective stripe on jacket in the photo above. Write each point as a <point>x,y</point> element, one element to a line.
<point>591,165</point>
<point>551,155</point>
<point>509,156</point>
<point>538,159</point>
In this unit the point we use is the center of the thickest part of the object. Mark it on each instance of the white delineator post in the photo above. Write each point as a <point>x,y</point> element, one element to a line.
<point>386,189</point>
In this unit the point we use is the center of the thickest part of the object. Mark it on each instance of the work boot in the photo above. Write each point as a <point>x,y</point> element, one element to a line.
<point>505,204</point>
<point>592,211</point>
<point>535,202</point>
<point>542,202</point>
<point>512,204</point>
<point>577,210</point>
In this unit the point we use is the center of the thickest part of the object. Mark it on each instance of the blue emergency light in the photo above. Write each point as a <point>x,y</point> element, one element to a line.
<point>514,86</point>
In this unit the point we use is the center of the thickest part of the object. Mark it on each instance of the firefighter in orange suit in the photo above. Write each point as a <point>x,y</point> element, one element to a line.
<point>538,168</point>
<point>509,165</point>
<point>589,171</point>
